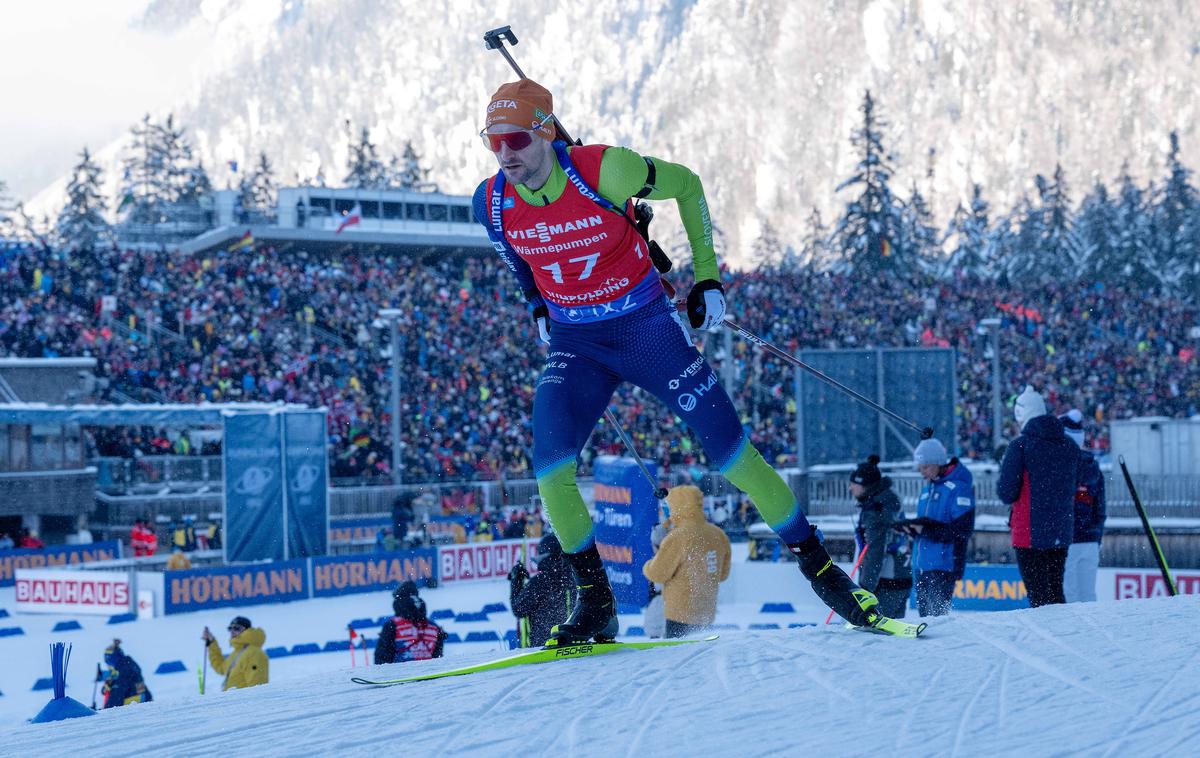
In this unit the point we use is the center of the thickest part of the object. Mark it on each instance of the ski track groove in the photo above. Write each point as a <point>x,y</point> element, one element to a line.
<point>1147,707</point>
<point>663,682</point>
<point>912,711</point>
<point>1037,664</point>
<point>963,717</point>
<point>452,747</point>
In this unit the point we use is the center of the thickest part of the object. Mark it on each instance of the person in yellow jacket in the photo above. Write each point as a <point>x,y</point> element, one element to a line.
<point>692,561</point>
<point>246,666</point>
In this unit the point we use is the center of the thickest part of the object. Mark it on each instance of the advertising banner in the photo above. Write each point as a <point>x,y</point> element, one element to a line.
<point>372,572</point>
<point>1129,584</point>
<point>307,483</point>
<point>482,560</point>
<point>350,531</point>
<point>198,589</point>
<point>58,555</point>
<point>102,593</point>
<point>625,512</point>
<point>989,588</point>
<point>254,512</point>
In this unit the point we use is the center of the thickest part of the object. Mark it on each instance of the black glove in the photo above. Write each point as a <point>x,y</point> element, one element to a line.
<point>541,314</point>
<point>517,573</point>
<point>706,305</point>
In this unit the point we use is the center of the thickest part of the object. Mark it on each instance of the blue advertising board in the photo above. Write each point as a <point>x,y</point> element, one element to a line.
<point>987,587</point>
<point>254,509</point>
<point>625,512</point>
<point>54,557</point>
<point>372,572</point>
<point>307,483</point>
<point>198,589</point>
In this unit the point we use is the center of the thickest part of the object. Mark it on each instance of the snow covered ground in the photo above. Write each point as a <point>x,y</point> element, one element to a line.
<point>1111,678</point>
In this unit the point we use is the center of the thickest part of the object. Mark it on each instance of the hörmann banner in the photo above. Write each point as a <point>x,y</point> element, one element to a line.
<point>625,512</point>
<point>101,593</point>
<point>198,589</point>
<point>58,555</point>
<point>372,572</point>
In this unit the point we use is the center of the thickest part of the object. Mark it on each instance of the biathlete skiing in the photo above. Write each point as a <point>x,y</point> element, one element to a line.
<point>561,217</point>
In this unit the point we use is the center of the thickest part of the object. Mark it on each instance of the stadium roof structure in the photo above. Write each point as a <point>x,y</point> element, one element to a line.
<point>205,414</point>
<point>331,220</point>
<point>328,241</point>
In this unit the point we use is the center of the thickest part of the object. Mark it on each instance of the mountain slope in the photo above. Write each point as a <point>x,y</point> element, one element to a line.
<point>1095,679</point>
<point>758,97</point>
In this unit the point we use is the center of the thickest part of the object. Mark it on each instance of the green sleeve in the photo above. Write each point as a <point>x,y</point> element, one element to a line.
<point>623,174</point>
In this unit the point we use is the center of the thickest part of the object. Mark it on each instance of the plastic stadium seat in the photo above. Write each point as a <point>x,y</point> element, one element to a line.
<point>635,631</point>
<point>363,624</point>
<point>170,667</point>
<point>45,683</point>
<point>335,645</point>
<point>801,624</point>
<point>122,618</point>
<point>306,648</point>
<point>277,652</point>
<point>444,613</point>
<point>3,613</point>
<point>494,608</point>
<point>469,617</point>
<point>725,627</point>
<point>453,637</point>
<point>764,626</point>
<point>67,626</point>
<point>488,636</point>
<point>371,642</point>
<point>11,631</point>
<point>512,638</point>
<point>777,608</point>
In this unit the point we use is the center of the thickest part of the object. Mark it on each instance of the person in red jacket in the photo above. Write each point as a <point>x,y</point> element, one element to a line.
<point>409,635</point>
<point>142,539</point>
<point>29,540</point>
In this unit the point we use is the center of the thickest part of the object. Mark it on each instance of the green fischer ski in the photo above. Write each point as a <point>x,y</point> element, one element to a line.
<point>541,655</point>
<point>892,627</point>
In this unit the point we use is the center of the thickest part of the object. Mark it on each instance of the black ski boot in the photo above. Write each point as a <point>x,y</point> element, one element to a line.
<point>836,590</point>
<point>595,614</point>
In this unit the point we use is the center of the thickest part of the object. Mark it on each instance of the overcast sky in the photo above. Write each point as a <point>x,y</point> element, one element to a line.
<point>75,73</point>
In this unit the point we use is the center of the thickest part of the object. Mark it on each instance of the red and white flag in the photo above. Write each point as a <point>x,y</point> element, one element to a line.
<point>351,219</point>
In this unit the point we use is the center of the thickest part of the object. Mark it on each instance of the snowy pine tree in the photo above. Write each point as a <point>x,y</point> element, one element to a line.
<point>1096,226</point>
<point>1134,250</point>
<point>258,190</point>
<point>867,232</point>
<point>1177,226</point>
<point>767,249</point>
<point>81,223</point>
<point>6,209</point>
<point>918,237</point>
<point>142,191</point>
<point>972,248</point>
<point>814,248</point>
<point>406,172</point>
<point>363,167</point>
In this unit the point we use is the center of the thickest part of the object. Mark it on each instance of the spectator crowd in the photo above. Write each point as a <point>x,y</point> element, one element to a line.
<point>264,325</point>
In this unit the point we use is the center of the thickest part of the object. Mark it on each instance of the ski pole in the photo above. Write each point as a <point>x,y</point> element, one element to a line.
<point>853,571</point>
<point>926,432</point>
<point>203,671</point>
<point>1158,553</point>
<point>96,684</point>
<point>523,621</point>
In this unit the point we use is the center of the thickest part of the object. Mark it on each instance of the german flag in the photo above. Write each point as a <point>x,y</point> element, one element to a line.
<point>245,244</point>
